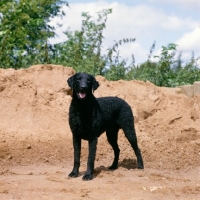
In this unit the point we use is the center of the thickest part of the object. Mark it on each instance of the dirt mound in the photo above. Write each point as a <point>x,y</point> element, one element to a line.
<point>34,126</point>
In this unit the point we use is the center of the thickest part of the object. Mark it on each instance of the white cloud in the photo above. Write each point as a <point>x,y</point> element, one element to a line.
<point>131,20</point>
<point>186,4</point>
<point>145,23</point>
<point>135,49</point>
<point>146,17</point>
<point>189,43</point>
<point>175,23</point>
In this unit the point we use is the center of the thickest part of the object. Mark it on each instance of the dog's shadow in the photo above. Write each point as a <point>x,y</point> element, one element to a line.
<point>126,163</point>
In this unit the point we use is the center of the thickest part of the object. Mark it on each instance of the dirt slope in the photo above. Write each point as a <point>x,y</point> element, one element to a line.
<point>34,131</point>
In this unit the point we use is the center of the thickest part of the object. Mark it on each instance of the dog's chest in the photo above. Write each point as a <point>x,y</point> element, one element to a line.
<point>85,128</point>
<point>83,124</point>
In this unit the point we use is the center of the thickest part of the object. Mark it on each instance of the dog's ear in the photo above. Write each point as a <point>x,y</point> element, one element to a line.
<point>95,84</point>
<point>70,81</point>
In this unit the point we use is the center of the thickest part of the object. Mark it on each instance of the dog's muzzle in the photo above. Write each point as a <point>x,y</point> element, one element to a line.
<point>82,93</point>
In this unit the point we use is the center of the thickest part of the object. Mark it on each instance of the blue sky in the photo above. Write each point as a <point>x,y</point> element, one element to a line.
<point>163,21</point>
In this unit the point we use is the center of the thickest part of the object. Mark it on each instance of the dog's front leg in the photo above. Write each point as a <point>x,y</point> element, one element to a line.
<point>77,154</point>
<point>91,158</point>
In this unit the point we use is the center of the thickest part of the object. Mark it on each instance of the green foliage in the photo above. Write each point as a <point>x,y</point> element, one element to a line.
<point>25,31</point>
<point>189,73</point>
<point>163,72</point>
<point>117,67</point>
<point>168,71</point>
<point>83,49</point>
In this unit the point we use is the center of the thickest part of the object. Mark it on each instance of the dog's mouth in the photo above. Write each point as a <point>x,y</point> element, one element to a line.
<point>82,94</point>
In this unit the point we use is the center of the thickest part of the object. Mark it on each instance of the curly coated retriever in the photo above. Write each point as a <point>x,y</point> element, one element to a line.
<point>89,117</point>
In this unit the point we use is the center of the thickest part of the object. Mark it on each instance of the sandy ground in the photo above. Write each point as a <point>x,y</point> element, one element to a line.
<point>36,153</point>
<point>51,182</point>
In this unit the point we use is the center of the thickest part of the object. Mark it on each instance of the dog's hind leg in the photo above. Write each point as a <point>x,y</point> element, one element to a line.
<point>130,134</point>
<point>112,136</point>
<point>77,153</point>
<point>126,122</point>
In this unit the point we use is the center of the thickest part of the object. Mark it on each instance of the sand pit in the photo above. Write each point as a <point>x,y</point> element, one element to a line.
<point>36,151</point>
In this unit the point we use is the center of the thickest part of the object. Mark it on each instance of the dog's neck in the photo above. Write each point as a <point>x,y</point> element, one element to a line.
<point>84,105</point>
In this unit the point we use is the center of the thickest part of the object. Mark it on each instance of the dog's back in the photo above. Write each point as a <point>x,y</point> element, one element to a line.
<point>115,111</point>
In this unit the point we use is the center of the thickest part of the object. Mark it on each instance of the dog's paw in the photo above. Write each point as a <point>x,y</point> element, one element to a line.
<point>113,167</point>
<point>73,174</point>
<point>87,177</point>
<point>140,166</point>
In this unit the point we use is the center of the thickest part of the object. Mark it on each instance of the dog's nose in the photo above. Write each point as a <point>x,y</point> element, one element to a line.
<point>83,87</point>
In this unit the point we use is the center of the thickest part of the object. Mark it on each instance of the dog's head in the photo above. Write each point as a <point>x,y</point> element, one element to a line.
<point>82,85</point>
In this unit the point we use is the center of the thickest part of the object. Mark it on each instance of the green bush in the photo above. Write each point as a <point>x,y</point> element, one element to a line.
<point>24,41</point>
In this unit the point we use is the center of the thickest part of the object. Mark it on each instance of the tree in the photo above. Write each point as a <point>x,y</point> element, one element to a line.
<point>189,73</point>
<point>25,30</point>
<point>82,49</point>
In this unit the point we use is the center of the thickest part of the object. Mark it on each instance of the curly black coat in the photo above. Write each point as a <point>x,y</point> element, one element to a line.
<point>89,117</point>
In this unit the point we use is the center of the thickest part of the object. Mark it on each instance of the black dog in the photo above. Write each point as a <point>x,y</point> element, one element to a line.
<point>89,117</point>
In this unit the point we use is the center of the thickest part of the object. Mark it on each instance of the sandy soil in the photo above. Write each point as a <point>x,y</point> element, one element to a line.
<point>36,153</point>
